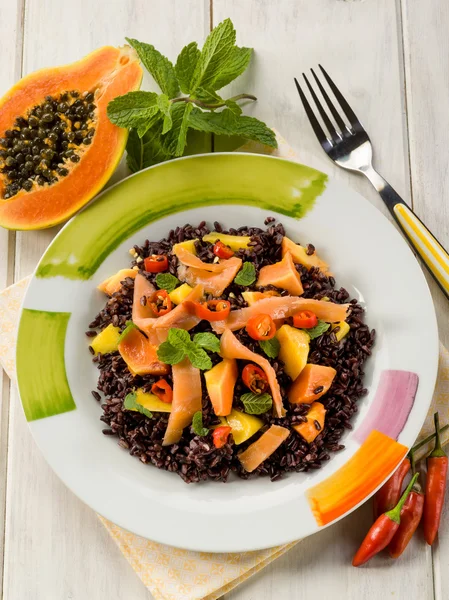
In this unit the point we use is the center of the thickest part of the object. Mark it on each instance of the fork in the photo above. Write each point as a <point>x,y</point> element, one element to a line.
<point>350,147</point>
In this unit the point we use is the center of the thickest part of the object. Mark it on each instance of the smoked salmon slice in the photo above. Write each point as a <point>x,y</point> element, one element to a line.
<point>230,347</point>
<point>181,317</point>
<point>190,260</point>
<point>186,400</point>
<point>264,447</point>
<point>213,283</point>
<point>281,307</point>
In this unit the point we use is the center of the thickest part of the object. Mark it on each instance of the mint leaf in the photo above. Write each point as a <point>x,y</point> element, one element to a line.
<point>185,66</point>
<point>256,404</point>
<point>237,62</point>
<point>214,55</point>
<point>197,424</point>
<point>170,355</point>
<point>208,96</point>
<point>163,103</point>
<point>149,150</point>
<point>198,357</point>
<point>167,281</point>
<point>130,403</point>
<point>318,330</point>
<point>158,66</point>
<point>270,347</point>
<point>132,108</point>
<point>247,274</point>
<point>228,123</point>
<point>209,341</point>
<point>233,106</point>
<point>179,338</point>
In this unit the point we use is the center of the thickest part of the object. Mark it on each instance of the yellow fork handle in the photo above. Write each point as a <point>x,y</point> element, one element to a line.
<point>426,245</point>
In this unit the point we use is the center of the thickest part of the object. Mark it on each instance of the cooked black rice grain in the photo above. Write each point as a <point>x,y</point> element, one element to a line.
<point>195,458</point>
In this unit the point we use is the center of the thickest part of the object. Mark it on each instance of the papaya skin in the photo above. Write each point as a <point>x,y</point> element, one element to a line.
<point>111,71</point>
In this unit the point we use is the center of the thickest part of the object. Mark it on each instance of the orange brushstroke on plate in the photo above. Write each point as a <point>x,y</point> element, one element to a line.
<point>371,464</point>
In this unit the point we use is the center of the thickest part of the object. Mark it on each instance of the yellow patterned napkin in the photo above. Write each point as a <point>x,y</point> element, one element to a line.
<point>171,573</point>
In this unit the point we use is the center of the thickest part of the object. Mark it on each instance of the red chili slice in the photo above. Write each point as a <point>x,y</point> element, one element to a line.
<point>156,263</point>
<point>255,379</point>
<point>222,251</point>
<point>163,390</point>
<point>161,303</point>
<point>220,436</point>
<point>261,327</point>
<point>212,310</point>
<point>305,319</point>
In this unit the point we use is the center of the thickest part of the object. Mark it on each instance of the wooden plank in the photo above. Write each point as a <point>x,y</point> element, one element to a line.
<point>11,32</point>
<point>55,545</point>
<point>359,44</point>
<point>427,72</point>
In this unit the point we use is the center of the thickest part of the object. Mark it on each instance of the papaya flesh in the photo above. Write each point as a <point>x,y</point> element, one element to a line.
<point>311,384</point>
<point>314,424</point>
<point>140,355</point>
<point>220,383</point>
<point>49,174</point>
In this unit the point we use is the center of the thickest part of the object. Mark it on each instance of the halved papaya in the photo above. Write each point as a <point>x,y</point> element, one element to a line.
<point>57,145</point>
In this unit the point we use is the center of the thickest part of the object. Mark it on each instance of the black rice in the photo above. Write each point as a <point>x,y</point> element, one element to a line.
<point>195,458</point>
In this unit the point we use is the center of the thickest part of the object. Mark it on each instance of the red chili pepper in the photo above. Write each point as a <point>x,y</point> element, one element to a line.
<point>220,436</point>
<point>261,327</point>
<point>388,495</point>
<point>382,530</point>
<point>222,251</point>
<point>163,390</point>
<point>305,319</point>
<point>161,303</point>
<point>212,310</point>
<point>437,464</point>
<point>411,514</point>
<point>255,379</point>
<point>156,263</point>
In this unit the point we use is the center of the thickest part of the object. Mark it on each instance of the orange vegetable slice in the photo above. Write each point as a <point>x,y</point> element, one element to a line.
<point>311,384</point>
<point>186,400</point>
<point>113,284</point>
<point>283,275</point>
<point>301,257</point>
<point>140,355</point>
<point>220,383</point>
<point>181,316</point>
<point>264,447</point>
<point>191,260</point>
<point>213,283</point>
<point>309,430</point>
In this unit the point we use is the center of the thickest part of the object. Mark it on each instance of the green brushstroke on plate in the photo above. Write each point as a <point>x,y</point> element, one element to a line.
<point>43,385</point>
<point>215,179</point>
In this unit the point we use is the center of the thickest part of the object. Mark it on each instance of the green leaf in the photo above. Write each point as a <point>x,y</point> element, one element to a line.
<point>209,341</point>
<point>227,123</point>
<point>214,55</point>
<point>164,105</point>
<point>208,96</point>
<point>132,108</point>
<point>158,66</point>
<point>256,404</point>
<point>237,62</point>
<point>179,338</point>
<point>198,357</point>
<point>318,330</point>
<point>170,355</point>
<point>270,347</point>
<point>129,327</point>
<point>130,404</point>
<point>149,150</point>
<point>175,140</point>
<point>234,107</point>
<point>197,424</point>
<point>145,126</point>
<point>185,66</point>
<point>167,281</point>
<point>247,274</point>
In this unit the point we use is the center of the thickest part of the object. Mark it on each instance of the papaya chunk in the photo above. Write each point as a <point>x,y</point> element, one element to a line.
<point>139,354</point>
<point>309,430</point>
<point>301,257</point>
<point>311,384</point>
<point>264,447</point>
<point>92,82</point>
<point>113,284</point>
<point>220,383</point>
<point>252,297</point>
<point>283,275</point>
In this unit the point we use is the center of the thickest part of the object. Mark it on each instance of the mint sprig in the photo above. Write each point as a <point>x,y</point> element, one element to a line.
<point>270,347</point>
<point>247,275</point>
<point>318,330</point>
<point>197,424</point>
<point>160,123</point>
<point>167,281</point>
<point>179,345</point>
<point>256,404</point>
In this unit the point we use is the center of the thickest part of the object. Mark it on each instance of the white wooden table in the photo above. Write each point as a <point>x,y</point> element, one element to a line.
<point>391,59</point>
